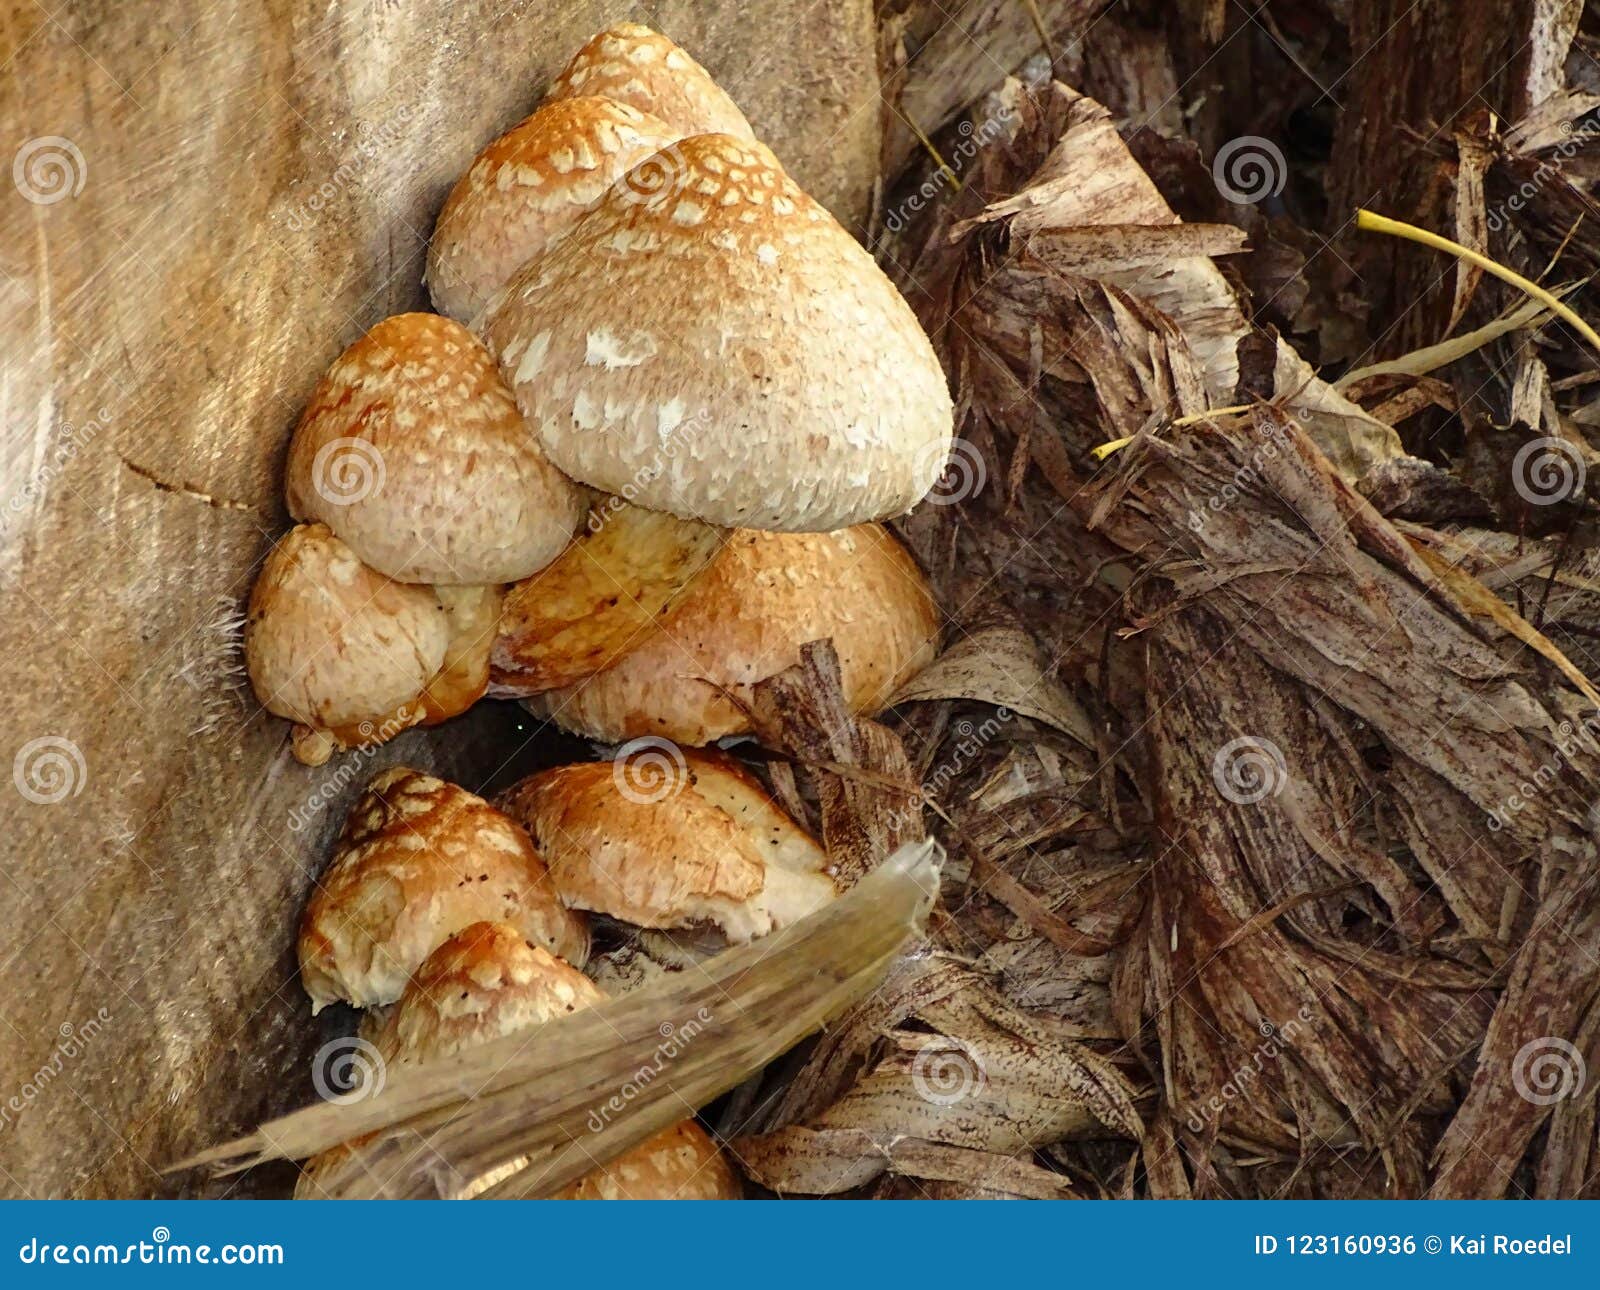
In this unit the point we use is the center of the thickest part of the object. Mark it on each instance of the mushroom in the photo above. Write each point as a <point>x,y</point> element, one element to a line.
<point>623,576</point>
<point>354,657</point>
<point>743,620</point>
<point>412,451</point>
<point>709,341</point>
<point>632,64</point>
<point>526,188</point>
<point>486,982</point>
<point>418,860</point>
<point>661,838</point>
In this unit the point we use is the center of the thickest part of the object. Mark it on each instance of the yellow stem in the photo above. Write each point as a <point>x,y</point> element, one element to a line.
<point>1106,449</point>
<point>1411,233</point>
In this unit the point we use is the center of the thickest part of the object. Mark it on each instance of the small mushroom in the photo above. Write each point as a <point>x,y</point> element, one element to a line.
<point>418,860</point>
<point>412,451</point>
<point>624,575</point>
<point>665,839</point>
<point>743,620</point>
<point>632,64</point>
<point>486,982</point>
<point>746,363</point>
<point>526,188</point>
<point>355,658</point>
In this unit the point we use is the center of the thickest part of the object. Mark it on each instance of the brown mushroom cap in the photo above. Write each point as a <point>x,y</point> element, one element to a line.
<point>662,838</point>
<point>745,619</point>
<point>413,452</point>
<point>709,341</point>
<point>624,575</point>
<point>486,982</point>
<point>527,187</point>
<point>418,860</point>
<point>330,643</point>
<point>632,64</point>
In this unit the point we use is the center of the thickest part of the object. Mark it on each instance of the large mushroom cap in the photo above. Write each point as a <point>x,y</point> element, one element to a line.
<point>662,838</point>
<point>632,64</point>
<point>527,187</point>
<point>418,860</point>
<point>331,643</point>
<point>745,619</point>
<point>413,452</point>
<point>486,982</point>
<point>605,595</point>
<point>709,341</point>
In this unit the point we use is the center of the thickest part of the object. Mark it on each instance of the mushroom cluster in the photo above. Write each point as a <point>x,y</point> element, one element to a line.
<point>456,925</point>
<point>638,458</point>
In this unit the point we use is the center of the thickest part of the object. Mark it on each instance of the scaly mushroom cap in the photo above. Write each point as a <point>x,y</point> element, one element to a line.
<point>418,860</point>
<point>330,643</point>
<point>413,452</point>
<point>486,982</point>
<point>745,619</point>
<point>660,838</point>
<point>605,595</point>
<point>708,341</point>
<point>526,188</point>
<point>632,64</point>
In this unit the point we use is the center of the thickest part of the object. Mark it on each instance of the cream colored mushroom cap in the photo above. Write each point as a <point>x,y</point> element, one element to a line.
<point>329,642</point>
<point>745,619</point>
<point>418,860</point>
<point>709,341</point>
<point>662,838</point>
<point>634,65</point>
<point>526,188</point>
<point>413,452</point>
